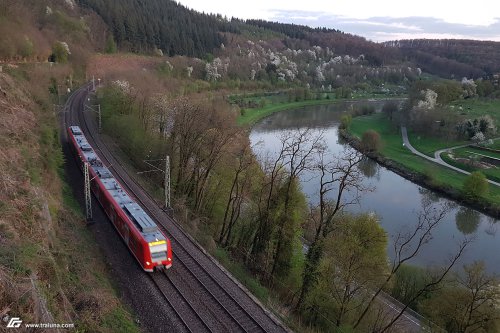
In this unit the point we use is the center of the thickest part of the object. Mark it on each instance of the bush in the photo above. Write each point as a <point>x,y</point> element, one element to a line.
<point>364,110</point>
<point>60,52</point>
<point>475,185</point>
<point>345,121</point>
<point>371,141</point>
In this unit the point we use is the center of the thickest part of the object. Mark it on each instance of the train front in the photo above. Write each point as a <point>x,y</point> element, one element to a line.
<point>161,252</point>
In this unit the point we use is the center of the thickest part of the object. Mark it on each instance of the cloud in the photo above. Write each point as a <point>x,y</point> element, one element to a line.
<point>388,28</point>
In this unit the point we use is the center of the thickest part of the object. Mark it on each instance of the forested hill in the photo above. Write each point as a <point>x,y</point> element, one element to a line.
<point>145,25</point>
<point>338,41</point>
<point>142,25</point>
<point>472,57</point>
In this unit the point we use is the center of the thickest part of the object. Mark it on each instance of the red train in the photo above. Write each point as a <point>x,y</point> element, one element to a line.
<point>141,234</point>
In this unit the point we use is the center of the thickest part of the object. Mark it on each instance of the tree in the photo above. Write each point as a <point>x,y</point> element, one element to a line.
<point>199,138</point>
<point>26,48</point>
<point>370,141</point>
<point>476,185</point>
<point>407,281</point>
<point>60,52</point>
<point>236,194</point>
<point>345,121</point>
<point>406,246</point>
<point>110,44</point>
<point>300,150</point>
<point>468,303</point>
<point>337,177</point>
<point>390,108</point>
<point>281,202</point>
<point>355,262</point>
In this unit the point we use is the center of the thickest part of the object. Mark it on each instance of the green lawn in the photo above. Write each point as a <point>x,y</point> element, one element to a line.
<point>466,151</point>
<point>251,116</point>
<point>428,145</point>
<point>477,107</point>
<point>394,150</point>
<point>493,173</point>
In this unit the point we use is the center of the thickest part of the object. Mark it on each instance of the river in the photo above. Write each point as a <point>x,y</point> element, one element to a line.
<point>395,200</point>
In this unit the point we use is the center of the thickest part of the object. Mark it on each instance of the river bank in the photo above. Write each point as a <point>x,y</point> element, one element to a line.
<point>399,191</point>
<point>424,180</point>
<point>250,117</point>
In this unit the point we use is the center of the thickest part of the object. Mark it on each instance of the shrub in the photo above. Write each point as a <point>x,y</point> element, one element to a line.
<point>371,141</point>
<point>60,52</point>
<point>345,121</point>
<point>475,185</point>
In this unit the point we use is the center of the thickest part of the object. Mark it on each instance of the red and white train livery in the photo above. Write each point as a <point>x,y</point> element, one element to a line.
<point>141,234</point>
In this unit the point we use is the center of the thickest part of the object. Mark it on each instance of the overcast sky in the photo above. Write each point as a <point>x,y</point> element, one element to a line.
<point>376,20</point>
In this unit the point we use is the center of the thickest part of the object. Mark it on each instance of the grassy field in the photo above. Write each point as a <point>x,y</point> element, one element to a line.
<point>250,116</point>
<point>429,145</point>
<point>392,148</point>
<point>492,173</point>
<point>474,108</point>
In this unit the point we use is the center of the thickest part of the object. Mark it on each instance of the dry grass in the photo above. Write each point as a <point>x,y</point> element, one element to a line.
<point>49,269</point>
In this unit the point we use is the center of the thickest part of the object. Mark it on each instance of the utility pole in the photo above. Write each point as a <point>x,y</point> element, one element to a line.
<point>167,182</point>
<point>100,119</point>
<point>93,83</point>
<point>88,197</point>
<point>168,209</point>
<point>98,111</point>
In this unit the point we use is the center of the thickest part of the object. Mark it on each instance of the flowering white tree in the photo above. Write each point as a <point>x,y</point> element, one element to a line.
<point>429,101</point>
<point>478,137</point>
<point>213,68</point>
<point>469,87</point>
<point>319,74</point>
<point>252,74</point>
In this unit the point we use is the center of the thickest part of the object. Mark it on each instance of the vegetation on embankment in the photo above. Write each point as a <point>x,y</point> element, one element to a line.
<point>50,268</point>
<point>251,116</point>
<point>398,158</point>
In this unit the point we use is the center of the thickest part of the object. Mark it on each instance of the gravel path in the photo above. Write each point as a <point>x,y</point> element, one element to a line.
<point>437,155</point>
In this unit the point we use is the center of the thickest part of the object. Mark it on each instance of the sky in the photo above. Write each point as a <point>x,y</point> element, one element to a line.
<point>378,21</point>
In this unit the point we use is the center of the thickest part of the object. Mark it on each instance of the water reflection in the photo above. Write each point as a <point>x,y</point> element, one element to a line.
<point>369,168</point>
<point>467,220</point>
<point>395,200</point>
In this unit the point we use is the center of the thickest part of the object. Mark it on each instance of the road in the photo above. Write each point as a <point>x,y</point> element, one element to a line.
<point>437,155</point>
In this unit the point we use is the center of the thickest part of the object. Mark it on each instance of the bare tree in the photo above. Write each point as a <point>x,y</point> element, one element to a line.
<point>337,177</point>
<point>468,303</point>
<point>236,196</point>
<point>271,178</point>
<point>406,247</point>
<point>300,149</point>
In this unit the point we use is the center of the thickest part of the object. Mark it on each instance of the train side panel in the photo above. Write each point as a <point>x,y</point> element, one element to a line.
<point>122,223</point>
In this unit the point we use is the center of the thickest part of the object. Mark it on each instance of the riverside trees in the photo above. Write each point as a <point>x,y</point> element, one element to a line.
<point>257,212</point>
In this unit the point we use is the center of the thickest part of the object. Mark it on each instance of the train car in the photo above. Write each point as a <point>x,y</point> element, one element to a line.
<point>139,232</point>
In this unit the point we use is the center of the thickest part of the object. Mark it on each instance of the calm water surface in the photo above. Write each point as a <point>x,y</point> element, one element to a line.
<point>395,200</point>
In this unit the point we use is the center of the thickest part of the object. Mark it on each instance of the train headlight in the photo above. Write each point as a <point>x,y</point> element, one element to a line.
<point>148,263</point>
<point>169,259</point>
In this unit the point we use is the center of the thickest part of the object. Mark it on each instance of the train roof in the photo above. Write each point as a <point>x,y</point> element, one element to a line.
<point>146,226</point>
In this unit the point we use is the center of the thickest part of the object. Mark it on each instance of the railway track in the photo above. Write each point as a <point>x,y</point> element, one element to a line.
<point>195,292</point>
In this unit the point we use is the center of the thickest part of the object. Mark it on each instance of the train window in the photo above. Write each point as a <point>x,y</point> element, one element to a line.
<point>158,256</point>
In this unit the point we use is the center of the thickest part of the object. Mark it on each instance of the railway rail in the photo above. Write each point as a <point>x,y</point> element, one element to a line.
<point>196,292</point>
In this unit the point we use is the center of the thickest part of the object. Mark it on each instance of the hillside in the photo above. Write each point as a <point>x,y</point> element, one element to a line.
<point>142,26</point>
<point>50,268</point>
<point>444,57</point>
